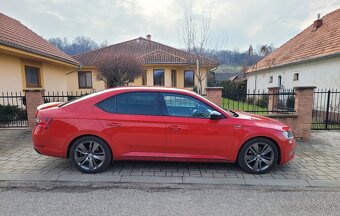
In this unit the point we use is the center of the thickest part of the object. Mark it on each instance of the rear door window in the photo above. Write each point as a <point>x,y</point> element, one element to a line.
<point>134,103</point>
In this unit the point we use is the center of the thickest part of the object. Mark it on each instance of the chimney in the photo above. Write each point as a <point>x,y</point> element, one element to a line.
<point>317,23</point>
<point>148,36</point>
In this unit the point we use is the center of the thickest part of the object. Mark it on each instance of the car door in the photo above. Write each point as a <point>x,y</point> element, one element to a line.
<point>134,123</point>
<point>191,134</point>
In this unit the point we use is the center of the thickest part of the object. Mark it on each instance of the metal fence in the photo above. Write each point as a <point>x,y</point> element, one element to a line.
<point>260,102</point>
<point>326,110</point>
<point>63,96</point>
<point>13,111</point>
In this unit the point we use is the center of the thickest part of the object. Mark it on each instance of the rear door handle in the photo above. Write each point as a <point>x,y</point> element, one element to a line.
<point>175,127</point>
<point>113,124</point>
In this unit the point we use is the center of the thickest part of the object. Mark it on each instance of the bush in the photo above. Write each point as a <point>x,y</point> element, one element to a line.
<point>262,101</point>
<point>234,90</point>
<point>9,113</point>
<point>290,102</point>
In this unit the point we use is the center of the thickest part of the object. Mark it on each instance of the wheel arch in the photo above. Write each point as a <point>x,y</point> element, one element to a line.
<point>263,137</point>
<point>84,135</point>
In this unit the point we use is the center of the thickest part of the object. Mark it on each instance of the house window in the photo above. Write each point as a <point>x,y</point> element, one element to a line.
<point>173,78</point>
<point>144,78</point>
<point>279,81</point>
<point>32,76</point>
<point>270,79</point>
<point>85,79</point>
<point>296,77</point>
<point>158,77</point>
<point>188,78</point>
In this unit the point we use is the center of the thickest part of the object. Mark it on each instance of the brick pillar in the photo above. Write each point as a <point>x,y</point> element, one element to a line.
<point>214,94</point>
<point>34,98</point>
<point>273,98</point>
<point>304,109</point>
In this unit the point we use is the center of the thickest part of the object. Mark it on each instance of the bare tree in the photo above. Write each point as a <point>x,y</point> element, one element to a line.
<point>194,34</point>
<point>119,70</point>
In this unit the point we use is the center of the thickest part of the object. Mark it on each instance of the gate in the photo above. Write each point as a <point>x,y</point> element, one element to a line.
<point>13,111</point>
<point>326,110</point>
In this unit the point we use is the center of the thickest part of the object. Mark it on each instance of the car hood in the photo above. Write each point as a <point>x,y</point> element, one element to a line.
<point>248,119</point>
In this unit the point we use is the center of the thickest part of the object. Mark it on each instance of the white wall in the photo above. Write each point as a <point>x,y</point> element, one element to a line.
<point>324,74</point>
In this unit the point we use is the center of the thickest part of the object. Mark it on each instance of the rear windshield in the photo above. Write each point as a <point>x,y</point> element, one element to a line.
<point>84,97</point>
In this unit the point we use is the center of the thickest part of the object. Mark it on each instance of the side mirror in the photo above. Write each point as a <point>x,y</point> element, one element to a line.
<point>214,115</point>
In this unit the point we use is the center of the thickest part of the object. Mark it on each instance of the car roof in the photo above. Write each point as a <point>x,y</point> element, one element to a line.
<point>149,88</point>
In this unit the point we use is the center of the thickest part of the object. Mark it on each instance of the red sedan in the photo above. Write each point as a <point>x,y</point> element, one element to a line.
<point>161,124</point>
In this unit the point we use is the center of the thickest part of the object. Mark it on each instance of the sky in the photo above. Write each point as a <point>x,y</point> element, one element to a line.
<point>234,24</point>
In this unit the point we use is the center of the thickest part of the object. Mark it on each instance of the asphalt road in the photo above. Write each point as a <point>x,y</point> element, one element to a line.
<point>143,199</point>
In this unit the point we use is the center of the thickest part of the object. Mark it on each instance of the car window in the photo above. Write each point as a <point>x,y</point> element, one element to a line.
<point>108,105</point>
<point>135,103</point>
<point>185,106</point>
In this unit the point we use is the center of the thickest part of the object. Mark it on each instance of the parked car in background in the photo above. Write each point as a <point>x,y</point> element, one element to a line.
<point>160,124</point>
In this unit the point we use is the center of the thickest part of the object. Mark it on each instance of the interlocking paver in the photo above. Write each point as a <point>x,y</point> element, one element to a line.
<point>315,161</point>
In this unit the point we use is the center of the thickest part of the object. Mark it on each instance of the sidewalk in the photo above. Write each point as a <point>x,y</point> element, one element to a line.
<point>316,164</point>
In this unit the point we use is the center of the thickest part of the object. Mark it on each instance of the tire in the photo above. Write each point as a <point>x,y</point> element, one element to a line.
<point>90,154</point>
<point>258,156</point>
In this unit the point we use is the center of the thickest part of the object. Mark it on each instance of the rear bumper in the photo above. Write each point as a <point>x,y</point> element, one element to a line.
<point>45,144</point>
<point>288,151</point>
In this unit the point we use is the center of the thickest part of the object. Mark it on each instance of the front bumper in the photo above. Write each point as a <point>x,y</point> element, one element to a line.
<point>288,151</point>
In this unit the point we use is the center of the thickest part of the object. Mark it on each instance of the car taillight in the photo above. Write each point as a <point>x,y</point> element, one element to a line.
<point>43,121</point>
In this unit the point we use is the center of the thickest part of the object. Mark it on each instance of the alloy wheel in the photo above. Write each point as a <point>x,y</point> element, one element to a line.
<point>89,155</point>
<point>259,156</point>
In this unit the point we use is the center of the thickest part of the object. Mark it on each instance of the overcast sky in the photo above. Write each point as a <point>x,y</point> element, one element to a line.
<point>237,23</point>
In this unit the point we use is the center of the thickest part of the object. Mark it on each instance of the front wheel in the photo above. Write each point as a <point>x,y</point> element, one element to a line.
<point>90,154</point>
<point>258,156</point>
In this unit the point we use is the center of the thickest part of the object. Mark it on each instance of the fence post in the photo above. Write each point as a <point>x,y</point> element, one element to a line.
<point>273,98</point>
<point>214,94</point>
<point>34,98</point>
<point>327,109</point>
<point>304,110</point>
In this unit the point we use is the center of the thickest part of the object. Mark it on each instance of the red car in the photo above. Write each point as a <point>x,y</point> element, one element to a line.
<point>161,124</point>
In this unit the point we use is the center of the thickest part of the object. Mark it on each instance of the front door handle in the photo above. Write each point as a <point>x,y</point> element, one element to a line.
<point>113,124</point>
<point>175,127</point>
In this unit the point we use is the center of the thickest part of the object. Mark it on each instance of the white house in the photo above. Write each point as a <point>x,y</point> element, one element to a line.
<point>311,58</point>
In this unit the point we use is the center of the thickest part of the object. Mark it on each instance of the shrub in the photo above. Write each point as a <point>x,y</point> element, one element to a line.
<point>234,90</point>
<point>262,101</point>
<point>290,102</point>
<point>9,113</point>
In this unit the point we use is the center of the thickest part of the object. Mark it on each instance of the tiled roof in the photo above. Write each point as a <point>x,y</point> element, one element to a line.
<point>16,35</point>
<point>149,51</point>
<point>309,44</point>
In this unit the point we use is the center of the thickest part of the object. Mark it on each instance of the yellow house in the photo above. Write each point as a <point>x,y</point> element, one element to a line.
<point>164,66</point>
<point>27,61</point>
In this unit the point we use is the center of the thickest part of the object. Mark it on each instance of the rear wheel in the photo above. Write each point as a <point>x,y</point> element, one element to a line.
<point>90,154</point>
<point>258,156</point>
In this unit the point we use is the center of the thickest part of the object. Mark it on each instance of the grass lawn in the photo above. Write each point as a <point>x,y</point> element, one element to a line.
<point>242,106</point>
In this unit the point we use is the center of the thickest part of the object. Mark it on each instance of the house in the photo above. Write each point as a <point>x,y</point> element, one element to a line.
<point>164,66</point>
<point>311,58</point>
<point>29,62</point>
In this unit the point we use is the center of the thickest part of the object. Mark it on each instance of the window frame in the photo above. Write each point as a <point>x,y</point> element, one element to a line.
<point>193,79</point>
<point>116,113</point>
<point>32,85</point>
<point>165,109</point>
<point>144,78</point>
<point>173,78</point>
<point>154,70</point>
<point>86,87</point>
<point>271,78</point>
<point>296,77</point>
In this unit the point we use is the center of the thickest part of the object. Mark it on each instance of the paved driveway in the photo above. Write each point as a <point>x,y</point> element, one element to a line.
<point>316,164</point>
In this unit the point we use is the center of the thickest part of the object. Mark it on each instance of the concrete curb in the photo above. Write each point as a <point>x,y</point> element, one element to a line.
<point>169,180</point>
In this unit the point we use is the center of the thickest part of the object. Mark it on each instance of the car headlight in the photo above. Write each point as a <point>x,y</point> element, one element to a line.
<point>288,135</point>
